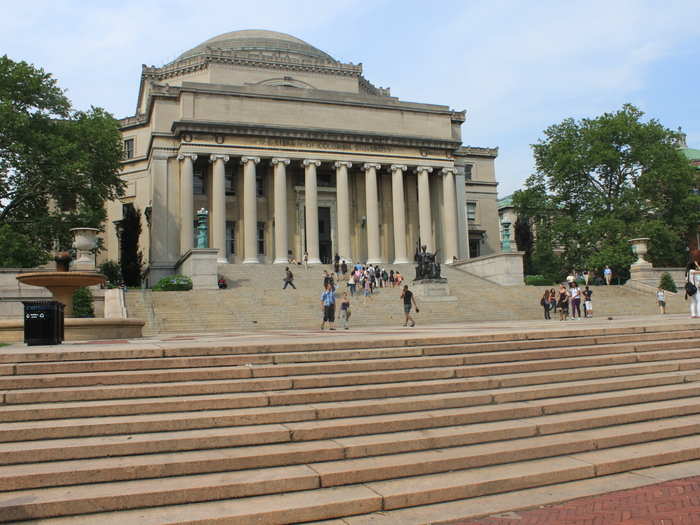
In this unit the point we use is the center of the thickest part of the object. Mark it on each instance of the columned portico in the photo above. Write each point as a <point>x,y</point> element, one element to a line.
<point>186,201</point>
<point>280,183</point>
<point>424,225</point>
<point>218,205</point>
<point>372,200</point>
<point>343,205</point>
<point>449,214</point>
<point>397,194</point>
<point>250,211</point>
<point>311,198</point>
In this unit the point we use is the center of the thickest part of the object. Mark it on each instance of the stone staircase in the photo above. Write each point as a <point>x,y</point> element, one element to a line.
<point>295,432</point>
<point>255,300</point>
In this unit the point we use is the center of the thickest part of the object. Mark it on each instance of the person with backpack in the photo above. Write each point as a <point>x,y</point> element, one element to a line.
<point>288,278</point>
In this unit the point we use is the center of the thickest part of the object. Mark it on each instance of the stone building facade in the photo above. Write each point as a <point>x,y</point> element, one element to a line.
<point>291,151</point>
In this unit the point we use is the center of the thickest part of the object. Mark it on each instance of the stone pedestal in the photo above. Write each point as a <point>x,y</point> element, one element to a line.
<point>200,265</point>
<point>432,290</point>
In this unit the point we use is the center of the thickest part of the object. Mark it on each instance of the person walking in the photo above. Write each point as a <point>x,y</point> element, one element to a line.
<point>575,301</point>
<point>607,273</point>
<point>345,310</point>
<point>328,307</point>
<point>552,300</point>
<point>661,300</point>
<point>343,268</point>
<point>351,284</point>
<point>545,304</point>
<point>288,278</point>
<point>587,302</point>
<point>693,284</point>
<point>306,261</point>
<point>408,301</point>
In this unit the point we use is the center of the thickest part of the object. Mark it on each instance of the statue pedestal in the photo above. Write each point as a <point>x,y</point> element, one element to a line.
<point>199,264</point>
<point>432,290</point>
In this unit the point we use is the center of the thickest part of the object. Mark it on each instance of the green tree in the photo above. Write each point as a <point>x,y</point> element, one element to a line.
<point>58,166</point>
<point>600,182</point>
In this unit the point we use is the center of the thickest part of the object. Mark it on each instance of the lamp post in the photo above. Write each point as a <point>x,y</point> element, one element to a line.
<point>505,243</point>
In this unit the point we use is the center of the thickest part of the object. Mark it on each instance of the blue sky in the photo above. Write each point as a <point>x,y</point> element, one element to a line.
<point>515,66</point>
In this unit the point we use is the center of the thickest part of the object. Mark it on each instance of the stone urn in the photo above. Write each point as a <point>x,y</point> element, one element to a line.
<point>640,246</point>
<point>84,242</point>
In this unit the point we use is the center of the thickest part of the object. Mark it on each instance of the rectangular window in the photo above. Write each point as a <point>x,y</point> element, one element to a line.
<point>129,149</point>
<point>259,185</point>
<point>230,238</point>
<point>468,171</point>
<point>324,179</point>
<point>198,181</point>
<point>261,238</point>
<point>471,211</point>
<point>230,175</point>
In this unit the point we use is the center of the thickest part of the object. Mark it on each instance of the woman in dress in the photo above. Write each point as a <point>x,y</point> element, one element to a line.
<point>563,303</point>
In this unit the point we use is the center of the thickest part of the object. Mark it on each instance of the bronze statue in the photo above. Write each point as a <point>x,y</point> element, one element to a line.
<point>427,266</point>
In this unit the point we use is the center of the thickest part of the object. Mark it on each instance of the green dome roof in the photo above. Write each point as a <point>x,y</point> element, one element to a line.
<point>257,40</point>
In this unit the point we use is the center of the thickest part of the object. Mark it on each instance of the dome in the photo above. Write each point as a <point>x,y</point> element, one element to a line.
<point>258,40</point>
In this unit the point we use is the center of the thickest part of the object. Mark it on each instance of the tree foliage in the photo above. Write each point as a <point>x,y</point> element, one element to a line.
<point>58,166</point>
<point>600,182</point>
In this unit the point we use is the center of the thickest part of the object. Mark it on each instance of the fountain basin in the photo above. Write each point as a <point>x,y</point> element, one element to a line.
<point>62,285</point>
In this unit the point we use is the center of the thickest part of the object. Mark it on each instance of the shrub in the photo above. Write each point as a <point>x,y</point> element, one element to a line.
<point>113,272</point>
<point>537,280</point>
<point>83,303</point>
<point>173,283</point>
<point>666,283</point>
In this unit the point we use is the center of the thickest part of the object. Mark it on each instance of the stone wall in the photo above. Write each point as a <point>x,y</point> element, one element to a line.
<point>505,269</point>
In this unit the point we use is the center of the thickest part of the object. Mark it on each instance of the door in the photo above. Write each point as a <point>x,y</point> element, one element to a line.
<point>325,245</point>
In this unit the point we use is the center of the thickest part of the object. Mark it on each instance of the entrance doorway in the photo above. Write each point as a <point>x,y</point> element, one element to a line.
<point>325,245</point>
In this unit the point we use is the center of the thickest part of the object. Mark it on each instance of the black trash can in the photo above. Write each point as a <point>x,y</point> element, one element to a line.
<point>43,322</point>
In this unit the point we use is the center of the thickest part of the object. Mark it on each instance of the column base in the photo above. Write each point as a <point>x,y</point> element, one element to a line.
<point>221,260</point>
<point>375,261</point>
<point>250,260</point>
<point>402,260</point>
<point>314,261</point>
<point>280,260</point>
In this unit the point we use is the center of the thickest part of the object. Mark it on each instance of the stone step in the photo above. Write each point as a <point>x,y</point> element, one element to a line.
<point>316,441</point>
<point>396,394</point>
<point>208,438</point>
<point>325,503</point>
<point>341,379</point>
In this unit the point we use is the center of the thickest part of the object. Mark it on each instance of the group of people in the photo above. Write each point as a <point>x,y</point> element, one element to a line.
<point>588,277</point>
<point>570,296</point>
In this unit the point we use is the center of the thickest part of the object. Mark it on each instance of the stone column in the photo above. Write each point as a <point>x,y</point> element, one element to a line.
<point>397,194</point>
<point>372,203</point>
<point>311,199</point>
<point>343,209</point>
<point>281,241</point>
<point>218,205</point>
<point>250,211</point>
<point>449,215</point>
<point>425,228</point>
<point>186,201</point>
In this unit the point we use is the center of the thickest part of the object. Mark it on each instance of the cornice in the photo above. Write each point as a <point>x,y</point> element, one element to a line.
<point>474,151</point>
<point>248,59</point>
<point>180,127</point>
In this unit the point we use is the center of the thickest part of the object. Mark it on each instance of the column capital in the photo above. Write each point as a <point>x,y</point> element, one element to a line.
<point>370,165</point>
<point>427,169</point>
<point>345,163</point>
<point>279,160</point>
<point>183,156</point>
<point>254,160</point>
<point>218,156</point>
<point>309,162</point>
<point>401,167</point>
<point>448,171</point>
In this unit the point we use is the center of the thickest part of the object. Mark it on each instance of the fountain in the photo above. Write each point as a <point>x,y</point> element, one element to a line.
<point>63,283</point>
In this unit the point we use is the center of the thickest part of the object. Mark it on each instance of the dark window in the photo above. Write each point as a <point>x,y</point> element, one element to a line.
<point>324,179</point>
<point>261,238</point>
<point>129,149</point>
<point>198,185</point>
<point>474,247</point>
<point>230,174</point>
<point>468,172</point>
<point>259,185</point>
<point>231,237</point>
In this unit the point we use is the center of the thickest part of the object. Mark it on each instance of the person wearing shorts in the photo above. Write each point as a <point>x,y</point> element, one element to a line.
<point>661,300</point>
<point>328,307</point>
<point>409,301</point>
